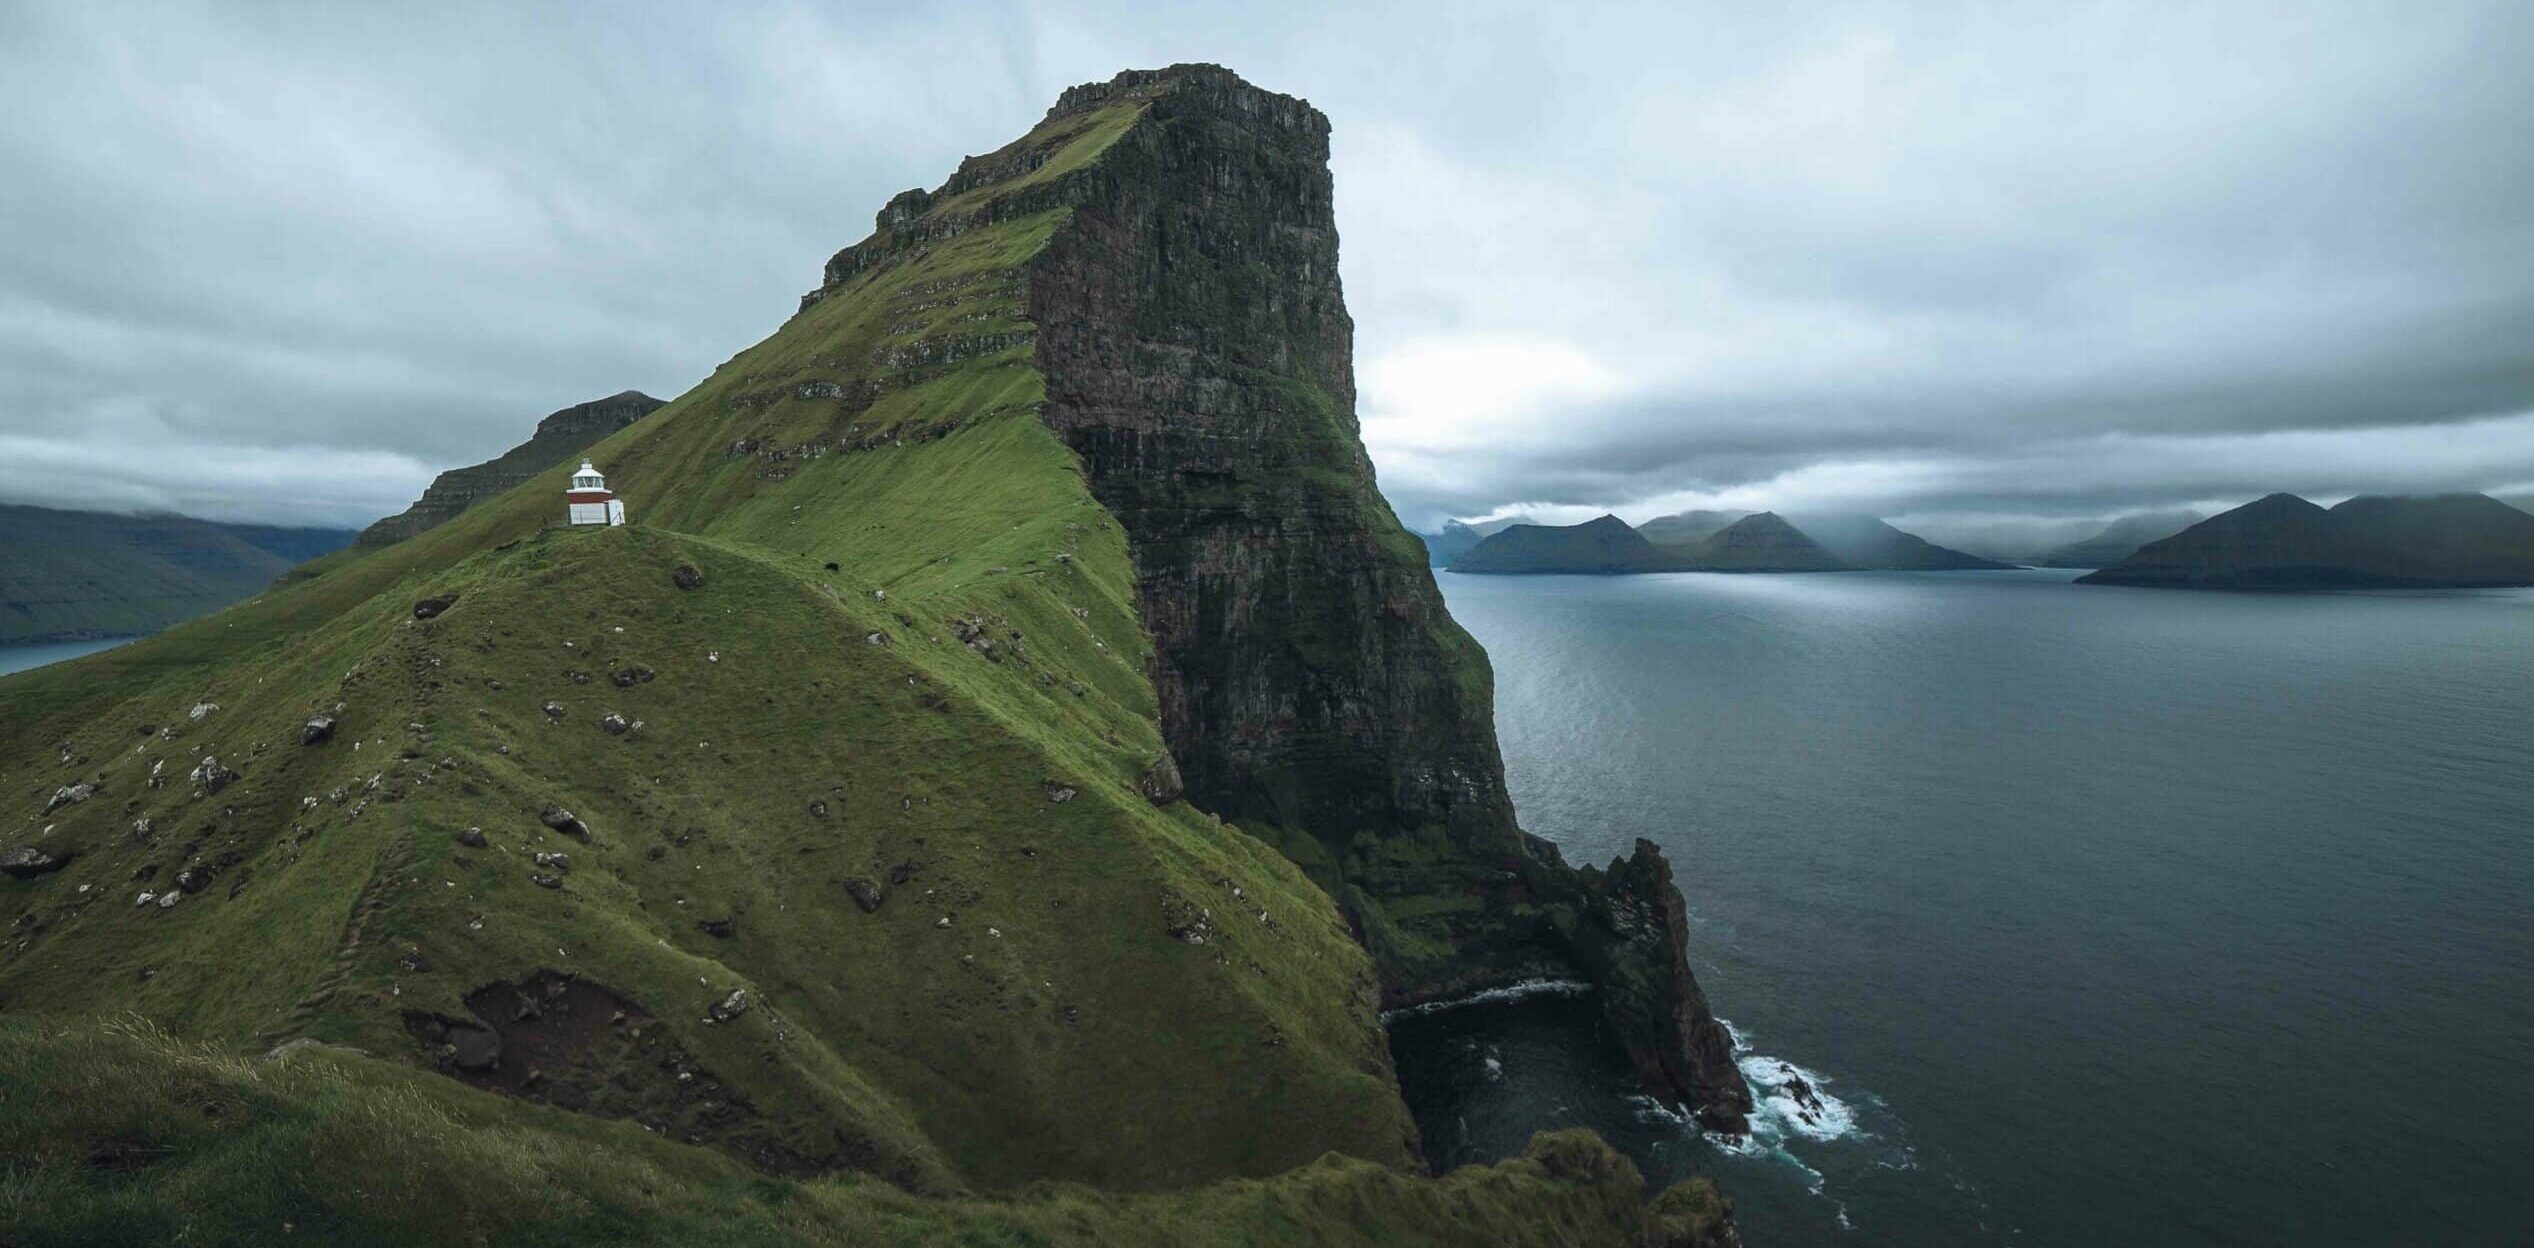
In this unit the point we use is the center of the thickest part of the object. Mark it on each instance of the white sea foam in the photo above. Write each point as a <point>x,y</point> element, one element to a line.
<point>1494,996</point>
<point>1789,1100</point>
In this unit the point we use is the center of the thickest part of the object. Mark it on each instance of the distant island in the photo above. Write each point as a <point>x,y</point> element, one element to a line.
<point>2371,541</point>
<point>1696,541</point>
<point>81,575</point>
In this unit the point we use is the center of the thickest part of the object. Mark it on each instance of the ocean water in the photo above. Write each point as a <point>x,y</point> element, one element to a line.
<point>20,656</point>
<point>2082,915</point>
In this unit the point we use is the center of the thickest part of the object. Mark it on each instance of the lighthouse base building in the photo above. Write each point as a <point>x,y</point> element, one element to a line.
<point>588,501</point>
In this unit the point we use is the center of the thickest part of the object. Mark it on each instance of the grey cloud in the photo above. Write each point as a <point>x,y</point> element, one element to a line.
<point>2036,261</point>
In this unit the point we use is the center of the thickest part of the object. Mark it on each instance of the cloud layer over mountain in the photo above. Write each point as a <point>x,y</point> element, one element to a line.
<point>1928,260</point>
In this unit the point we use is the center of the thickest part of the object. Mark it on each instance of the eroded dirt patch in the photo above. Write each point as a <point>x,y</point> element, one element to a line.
<point>577,1045</point>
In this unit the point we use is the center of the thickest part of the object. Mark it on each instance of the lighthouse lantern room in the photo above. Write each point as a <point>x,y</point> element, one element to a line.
<point>589,501</point>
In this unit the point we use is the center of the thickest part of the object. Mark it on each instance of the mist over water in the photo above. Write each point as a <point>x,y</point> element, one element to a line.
<point>2084,915</point>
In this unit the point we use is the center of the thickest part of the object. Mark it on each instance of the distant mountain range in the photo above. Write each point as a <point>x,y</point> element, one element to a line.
<point>83,574</point>
<point>1698,541</point>
<point>78,574</point>
<point>2286,542</point>
<point>1441,548</point>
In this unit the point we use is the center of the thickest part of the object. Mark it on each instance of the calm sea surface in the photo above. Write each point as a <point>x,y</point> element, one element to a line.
<point>18,658</point>
<point>2096,916</point>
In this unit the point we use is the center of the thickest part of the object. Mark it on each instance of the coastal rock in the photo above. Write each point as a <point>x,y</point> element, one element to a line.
<point>1265,525</point>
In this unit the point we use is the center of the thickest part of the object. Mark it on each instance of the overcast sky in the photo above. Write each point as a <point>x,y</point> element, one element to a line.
<point>1937,261</point>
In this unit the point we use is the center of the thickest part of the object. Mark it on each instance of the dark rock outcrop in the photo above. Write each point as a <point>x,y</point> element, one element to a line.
<point>26,862</point>
<point>560,436</point>
<point>1199,358</point>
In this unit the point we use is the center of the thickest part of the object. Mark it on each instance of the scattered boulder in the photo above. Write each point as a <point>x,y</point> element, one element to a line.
<point>26,862</point>
<point>543,880</point>
<point>194,879</point>
<point>876,638</point>
<point>167,900</point>
<point>1058,792</point>
<point>472,838</point>
<point>719,929</point>
<point>578,676</point>
<point>69,795</point>
<point>729,1007</point>
<point>211,774</point>
<point>201,709</point>
<point>557,863</point>
<point>865,893</point>
<point>565,822</point>
<point>818,807</point>
<point>1161,784</point>
<point>684,576</point>
<point>431,607</point>
<point>554,710</point>
<point>1186,921</point>
<point>144,831</point>
<point>628,677</point>
<point>614,724</point>
<point>319,728</point>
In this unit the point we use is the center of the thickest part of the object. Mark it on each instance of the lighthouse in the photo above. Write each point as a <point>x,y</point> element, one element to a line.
<point>588,500</point>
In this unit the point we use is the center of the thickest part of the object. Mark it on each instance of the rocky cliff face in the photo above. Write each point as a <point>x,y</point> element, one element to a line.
<point>1199,358</point>
<point>559,436</point>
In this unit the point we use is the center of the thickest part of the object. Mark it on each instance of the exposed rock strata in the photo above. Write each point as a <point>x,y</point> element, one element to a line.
<point>1199,358</point>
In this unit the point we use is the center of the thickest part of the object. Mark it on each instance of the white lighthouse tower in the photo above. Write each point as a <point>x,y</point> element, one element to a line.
<point>588,501</point>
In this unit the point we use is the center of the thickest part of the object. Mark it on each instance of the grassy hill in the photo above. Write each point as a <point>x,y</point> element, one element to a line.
<point>823,823</point>
<point>75,574</point>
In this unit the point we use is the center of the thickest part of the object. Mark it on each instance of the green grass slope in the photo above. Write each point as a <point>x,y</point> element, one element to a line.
<point>912,672</point>
<point>120,1134</point>
<point>1126,993</point>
